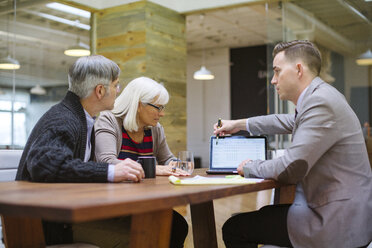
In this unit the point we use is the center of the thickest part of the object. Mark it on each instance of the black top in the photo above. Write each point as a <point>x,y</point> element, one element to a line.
<point>133,150</point>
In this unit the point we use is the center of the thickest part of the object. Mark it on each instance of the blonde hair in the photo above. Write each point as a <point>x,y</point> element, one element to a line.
<point>140,90</point>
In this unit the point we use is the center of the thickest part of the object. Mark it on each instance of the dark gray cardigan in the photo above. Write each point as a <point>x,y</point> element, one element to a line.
<point>55,149</point>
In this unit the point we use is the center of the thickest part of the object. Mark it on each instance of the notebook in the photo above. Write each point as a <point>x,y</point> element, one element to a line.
<point>225,157</point>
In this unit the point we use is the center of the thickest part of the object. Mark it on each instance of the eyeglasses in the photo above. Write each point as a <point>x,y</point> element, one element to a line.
<point>118,88</point>
<point>159,108</point>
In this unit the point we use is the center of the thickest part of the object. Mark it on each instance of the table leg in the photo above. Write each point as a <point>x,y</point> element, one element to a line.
<point>285,194</point>
<point>203,225</point>
<point>151,229</point>
<point>22,232</point>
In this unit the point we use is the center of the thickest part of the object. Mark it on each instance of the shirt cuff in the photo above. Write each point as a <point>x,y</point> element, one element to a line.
<point>247,125</point>
<point>246,171</point>
<point>111,173</point>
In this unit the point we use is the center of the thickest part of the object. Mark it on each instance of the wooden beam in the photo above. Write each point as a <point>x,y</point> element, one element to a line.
<point>9,8</point>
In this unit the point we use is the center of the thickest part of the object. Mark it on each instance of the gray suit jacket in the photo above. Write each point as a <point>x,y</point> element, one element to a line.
<point>329,163</point>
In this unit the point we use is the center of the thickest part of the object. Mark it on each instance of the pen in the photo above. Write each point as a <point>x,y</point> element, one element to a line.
<point>218,126</point>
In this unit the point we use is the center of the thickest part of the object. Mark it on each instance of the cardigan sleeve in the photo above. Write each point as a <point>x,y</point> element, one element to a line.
<point>51,158</point>
<point>107,138</point>
<point>161,149</point>
<point>108,141</point>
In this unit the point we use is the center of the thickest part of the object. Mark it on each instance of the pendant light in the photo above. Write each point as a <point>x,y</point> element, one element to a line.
<point>365,58</point>
<point>9,63</point>
<point>79,49</point>
<point>37,90</point>
<point>203,73</point>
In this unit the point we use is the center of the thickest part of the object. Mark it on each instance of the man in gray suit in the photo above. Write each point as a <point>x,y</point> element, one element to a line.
<point>327,160</point>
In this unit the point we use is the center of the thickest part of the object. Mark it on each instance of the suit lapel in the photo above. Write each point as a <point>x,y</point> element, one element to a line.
<point>312,87</point>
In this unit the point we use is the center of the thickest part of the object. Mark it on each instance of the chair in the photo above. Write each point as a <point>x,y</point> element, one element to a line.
<point>8,170</point>
<point>9,164</point>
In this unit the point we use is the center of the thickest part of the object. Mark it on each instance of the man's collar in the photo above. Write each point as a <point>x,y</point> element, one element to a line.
<point>316,80</point>
<point>300,98</point>
<point>89,118</point>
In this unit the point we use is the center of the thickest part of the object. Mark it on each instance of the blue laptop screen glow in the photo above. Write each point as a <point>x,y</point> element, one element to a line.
<point>232,150</point>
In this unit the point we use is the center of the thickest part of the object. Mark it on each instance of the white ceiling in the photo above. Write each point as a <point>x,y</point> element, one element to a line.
<point>181,6</point>
<point>209,24</point>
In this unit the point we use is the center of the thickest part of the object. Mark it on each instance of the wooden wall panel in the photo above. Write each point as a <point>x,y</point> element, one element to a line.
<point>146,39</point>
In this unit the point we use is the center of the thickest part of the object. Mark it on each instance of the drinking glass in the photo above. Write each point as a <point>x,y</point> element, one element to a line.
<point>186,161</point>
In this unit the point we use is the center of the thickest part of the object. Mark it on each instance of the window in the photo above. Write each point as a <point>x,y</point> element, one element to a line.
<point>15,137</point>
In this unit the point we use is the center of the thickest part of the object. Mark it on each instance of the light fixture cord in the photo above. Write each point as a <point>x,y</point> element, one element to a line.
<point>14,23</point>
<point>77,34</point>
<point>7,37</point>
<point>202,16</point>
<point>14,81</point>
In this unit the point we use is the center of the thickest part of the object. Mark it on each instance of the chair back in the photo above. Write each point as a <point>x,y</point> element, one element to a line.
<point>9,160</point>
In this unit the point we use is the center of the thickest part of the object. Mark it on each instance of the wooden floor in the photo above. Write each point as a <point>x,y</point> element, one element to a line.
<point>224,208</point>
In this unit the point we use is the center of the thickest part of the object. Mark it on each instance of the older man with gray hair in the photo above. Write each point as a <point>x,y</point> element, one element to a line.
<point>60,148</point>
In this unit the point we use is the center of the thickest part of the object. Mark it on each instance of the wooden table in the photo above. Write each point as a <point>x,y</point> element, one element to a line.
<point>150,203</point>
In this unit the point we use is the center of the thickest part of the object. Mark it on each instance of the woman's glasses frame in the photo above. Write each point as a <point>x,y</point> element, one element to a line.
<point>159,108</point>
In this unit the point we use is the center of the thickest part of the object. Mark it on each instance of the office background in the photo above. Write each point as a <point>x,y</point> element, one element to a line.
<point>169,41</point>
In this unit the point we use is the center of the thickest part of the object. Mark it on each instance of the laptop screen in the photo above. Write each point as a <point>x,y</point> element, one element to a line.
<point>230,151</point>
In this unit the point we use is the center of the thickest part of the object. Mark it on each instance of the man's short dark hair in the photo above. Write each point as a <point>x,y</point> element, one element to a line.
<point>303,49</point>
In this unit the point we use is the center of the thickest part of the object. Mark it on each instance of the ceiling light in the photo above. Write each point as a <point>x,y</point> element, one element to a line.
<point>203,74</point>
<point>78,50</point>
<point>59,19</point>
<point>8,63</point>
<point>365,58</point>
<point>38,90</point>
<point>69,9</point>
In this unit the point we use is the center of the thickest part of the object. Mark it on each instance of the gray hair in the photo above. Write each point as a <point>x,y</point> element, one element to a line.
<point>88,72</point>
<point>140,90</point>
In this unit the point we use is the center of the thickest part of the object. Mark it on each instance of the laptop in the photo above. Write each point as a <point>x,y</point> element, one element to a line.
<point>230,151</point>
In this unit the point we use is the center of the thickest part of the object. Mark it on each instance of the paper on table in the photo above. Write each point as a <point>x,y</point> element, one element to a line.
<point>199,180</point>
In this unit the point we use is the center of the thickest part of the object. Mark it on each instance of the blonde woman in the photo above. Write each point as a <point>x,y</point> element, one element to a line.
<point>132,129</point>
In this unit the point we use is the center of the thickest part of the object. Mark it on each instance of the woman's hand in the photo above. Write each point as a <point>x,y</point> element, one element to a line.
<point>167,170</point>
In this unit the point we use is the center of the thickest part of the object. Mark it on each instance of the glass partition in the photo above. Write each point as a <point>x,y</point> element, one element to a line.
<point>36,34</point>
<point>275,29</point>
<point>287,21</point>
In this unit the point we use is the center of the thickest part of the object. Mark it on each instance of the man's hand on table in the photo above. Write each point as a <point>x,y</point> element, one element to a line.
<point>241,165</point>
<point>128,170</point>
